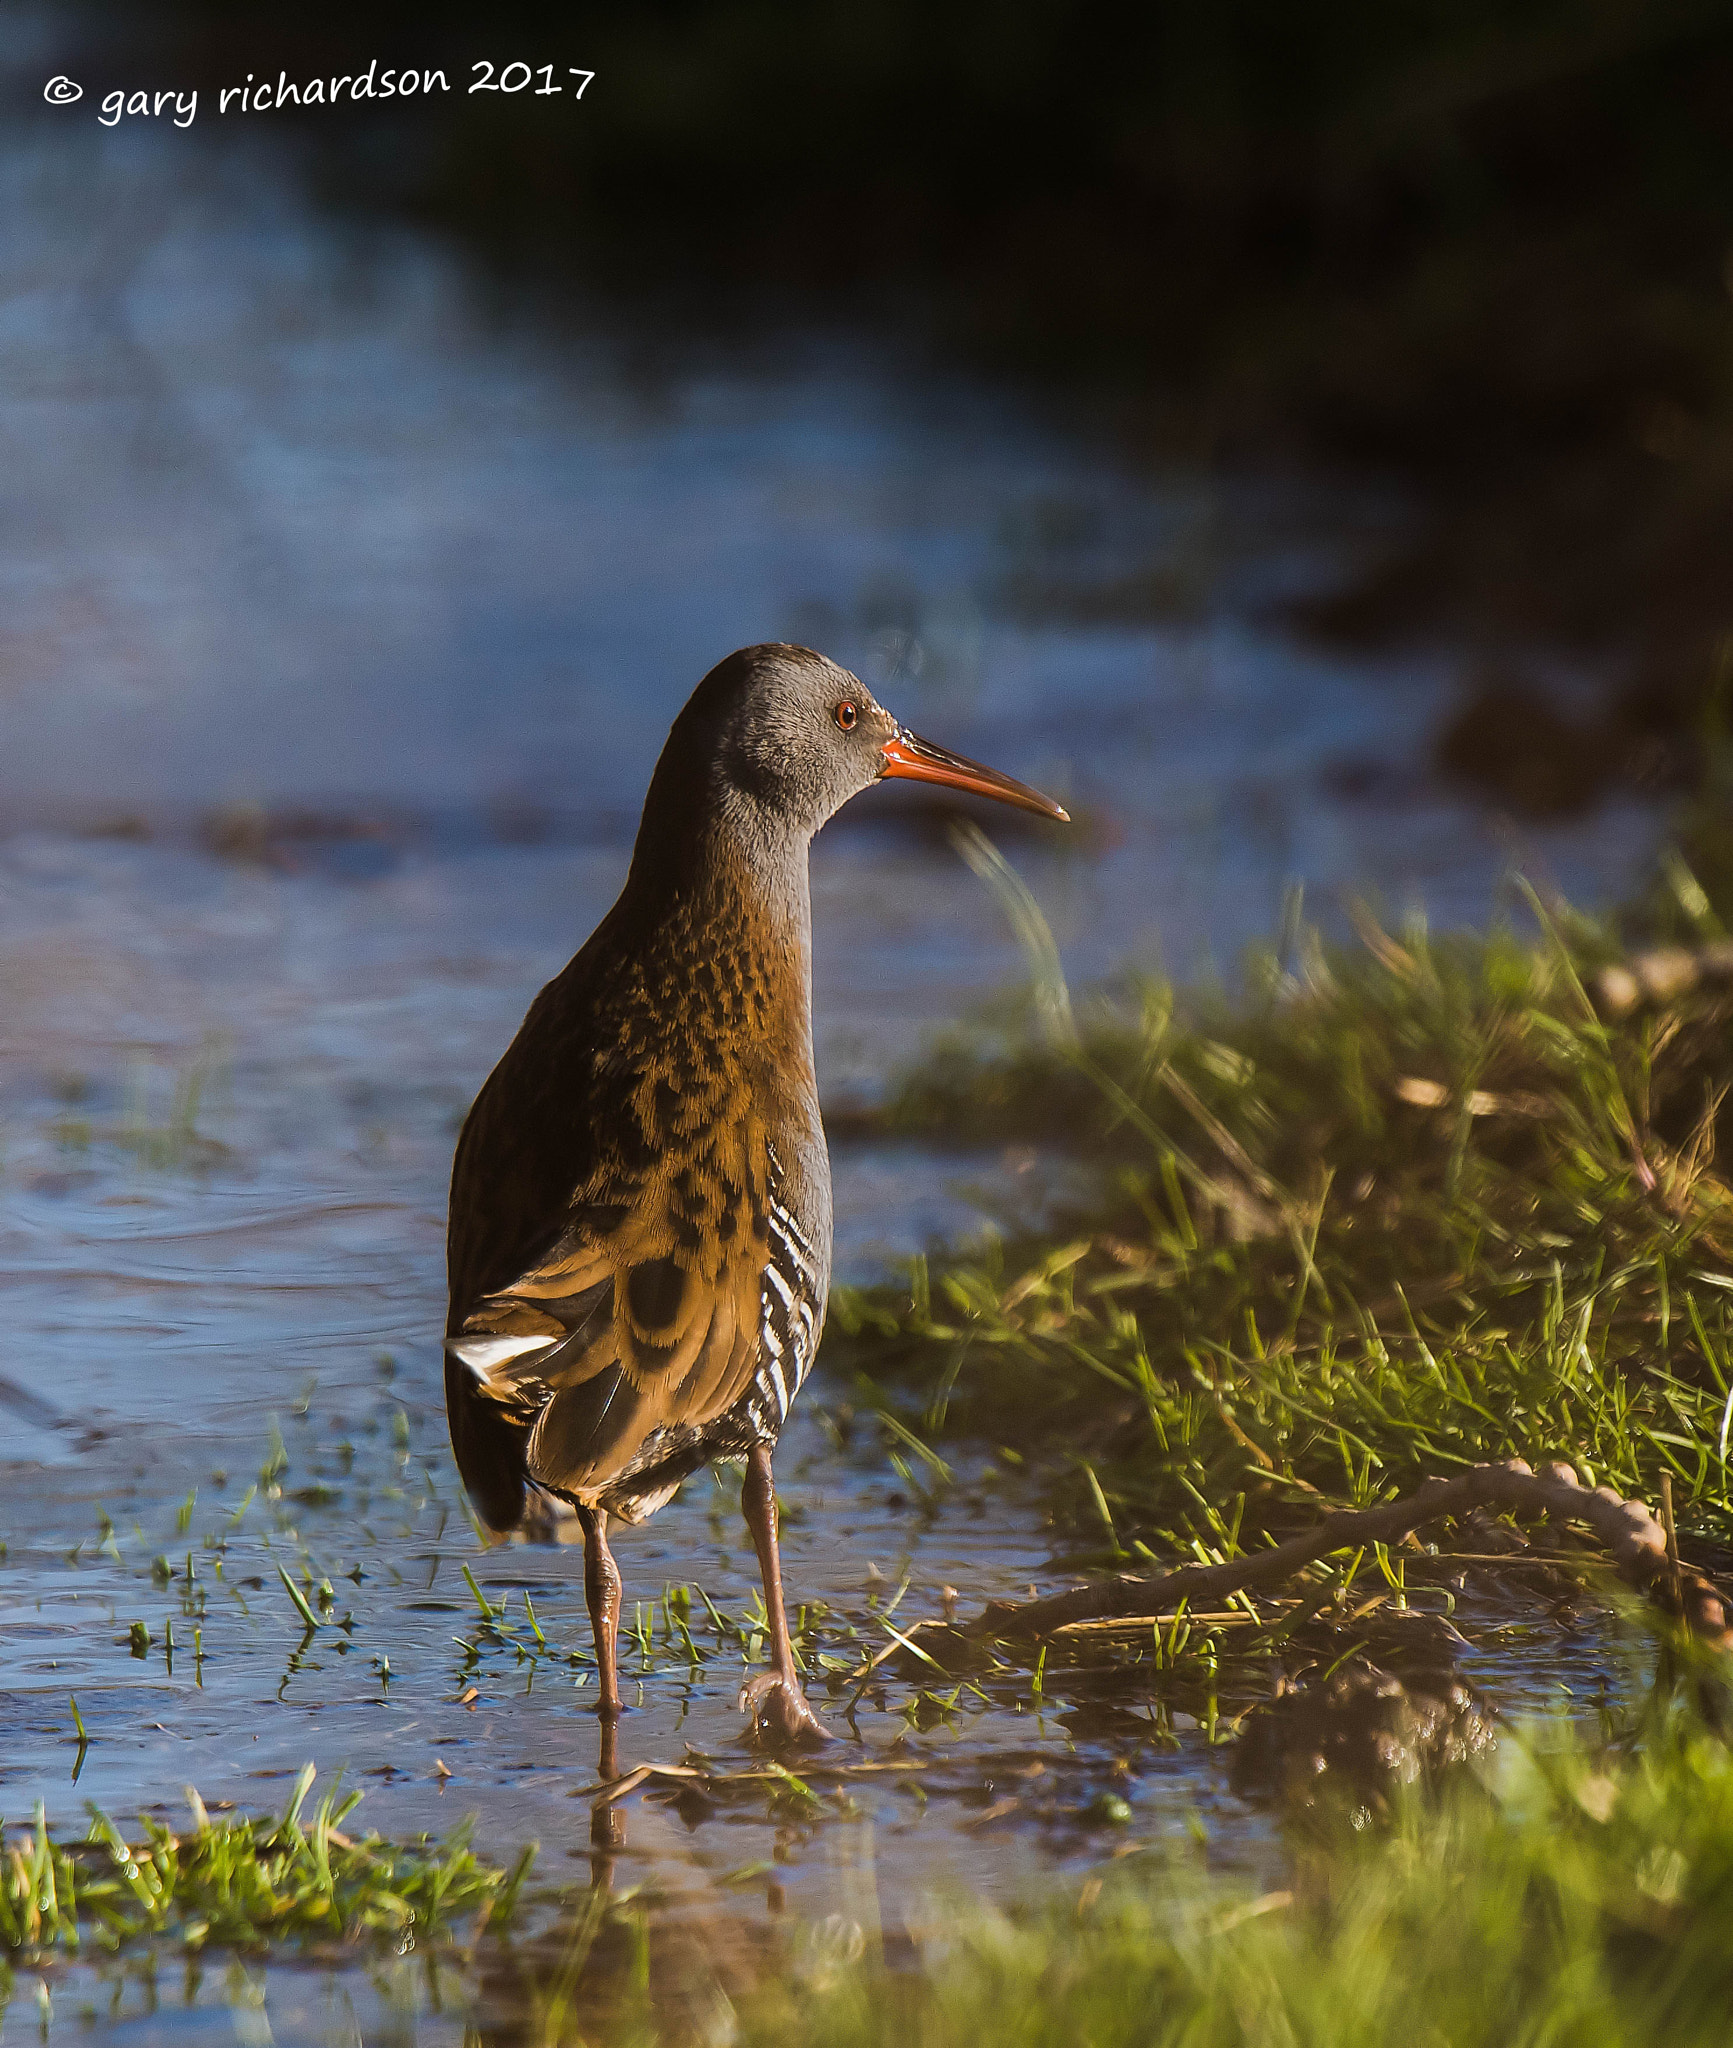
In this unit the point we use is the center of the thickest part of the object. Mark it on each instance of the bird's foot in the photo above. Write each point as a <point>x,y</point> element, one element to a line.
<point>779,1710</point>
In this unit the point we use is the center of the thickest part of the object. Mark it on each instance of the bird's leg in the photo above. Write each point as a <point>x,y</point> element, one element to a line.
<point>602,1590</point>
<point>774,1699</point>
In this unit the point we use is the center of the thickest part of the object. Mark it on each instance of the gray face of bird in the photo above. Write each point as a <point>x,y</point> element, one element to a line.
<point>805,735</point>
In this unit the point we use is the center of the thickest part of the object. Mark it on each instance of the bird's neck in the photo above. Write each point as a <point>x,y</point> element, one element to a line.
<point>728,891</point>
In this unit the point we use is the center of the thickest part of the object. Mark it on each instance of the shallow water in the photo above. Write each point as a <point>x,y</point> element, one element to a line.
<point>342,619</point>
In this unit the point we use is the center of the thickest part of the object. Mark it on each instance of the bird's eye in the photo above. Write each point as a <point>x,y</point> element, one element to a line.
<point>847,715</point>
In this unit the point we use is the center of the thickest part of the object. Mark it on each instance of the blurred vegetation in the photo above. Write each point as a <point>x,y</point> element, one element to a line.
<point>1587,1899</point>
<point>1484,246</point>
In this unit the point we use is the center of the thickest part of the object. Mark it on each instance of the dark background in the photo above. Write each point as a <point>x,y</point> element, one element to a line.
<point>1482,249</point>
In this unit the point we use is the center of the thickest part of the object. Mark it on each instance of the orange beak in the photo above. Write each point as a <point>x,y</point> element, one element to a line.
<point>916,760</point>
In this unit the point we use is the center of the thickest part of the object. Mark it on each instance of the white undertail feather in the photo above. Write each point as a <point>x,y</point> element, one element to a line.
<point>480,1355</point>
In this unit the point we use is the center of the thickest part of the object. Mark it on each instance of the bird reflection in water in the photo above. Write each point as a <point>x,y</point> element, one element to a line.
<point>607,1816</point>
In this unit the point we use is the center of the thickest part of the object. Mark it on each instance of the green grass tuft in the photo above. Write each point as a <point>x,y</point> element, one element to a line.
<point>237,1883</point>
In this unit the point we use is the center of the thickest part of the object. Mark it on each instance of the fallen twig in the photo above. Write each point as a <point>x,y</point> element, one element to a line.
<point>1231,1617</point>
<point>610,1790</point>
<point>1635,1540</point>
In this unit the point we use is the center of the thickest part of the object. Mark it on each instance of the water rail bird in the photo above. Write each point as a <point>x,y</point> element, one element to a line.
<point>640,1229</point>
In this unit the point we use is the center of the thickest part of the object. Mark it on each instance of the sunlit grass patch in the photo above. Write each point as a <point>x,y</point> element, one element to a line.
<point>1400,1209</point>
<point>236,1882</point>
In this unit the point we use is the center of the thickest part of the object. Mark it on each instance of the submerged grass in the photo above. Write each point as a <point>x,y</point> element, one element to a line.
<point>1402,1208</point>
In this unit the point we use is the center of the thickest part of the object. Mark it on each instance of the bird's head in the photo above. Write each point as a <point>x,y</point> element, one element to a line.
<point>793,736</point>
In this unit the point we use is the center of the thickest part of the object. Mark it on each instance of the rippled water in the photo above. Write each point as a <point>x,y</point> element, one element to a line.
<point>340,621</point>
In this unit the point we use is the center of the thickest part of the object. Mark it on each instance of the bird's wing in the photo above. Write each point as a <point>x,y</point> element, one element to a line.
<point>667,1297</point>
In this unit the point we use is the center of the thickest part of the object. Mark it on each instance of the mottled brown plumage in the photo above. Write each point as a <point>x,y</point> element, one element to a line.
<point>639,1241</point>
<point>625,1145</point>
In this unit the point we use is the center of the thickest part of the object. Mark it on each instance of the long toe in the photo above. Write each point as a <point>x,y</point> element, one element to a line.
<point>780,1712</point>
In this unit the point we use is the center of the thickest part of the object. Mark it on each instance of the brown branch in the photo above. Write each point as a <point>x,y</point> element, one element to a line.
<point>1633,1537</point>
